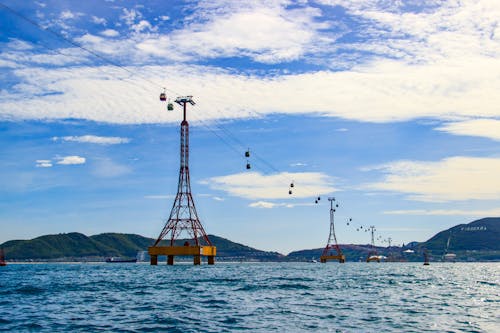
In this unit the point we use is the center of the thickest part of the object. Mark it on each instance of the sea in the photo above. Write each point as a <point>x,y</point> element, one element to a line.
<point>252,297</point>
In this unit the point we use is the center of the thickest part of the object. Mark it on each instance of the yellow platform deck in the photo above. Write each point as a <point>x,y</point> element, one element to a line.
<point>171,251</point>
<point>339,258</point>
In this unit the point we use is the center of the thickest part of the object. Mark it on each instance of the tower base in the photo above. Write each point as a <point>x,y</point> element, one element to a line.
<point>172,251</point>
<point>340,258</point>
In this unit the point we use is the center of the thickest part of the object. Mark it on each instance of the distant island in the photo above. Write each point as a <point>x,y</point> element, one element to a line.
<point>475,241</point>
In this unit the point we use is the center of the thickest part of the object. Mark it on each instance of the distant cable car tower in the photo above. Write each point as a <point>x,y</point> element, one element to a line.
<point>332,244</point>
<point>373,254</point>
<point>183,216</point>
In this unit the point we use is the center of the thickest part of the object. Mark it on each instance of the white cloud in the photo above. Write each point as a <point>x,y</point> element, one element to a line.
<point>102,140</point>
<point>451,179</point>
<point>269,205</point>
<point>99,20</point>
<point>443,29</point>
<point>110,33</point>
<point>390,92</point>
<point>71,160</point>
<point>143,25</point>
<point>43,163</point>
<point>262,204</point>
<point>253,185</point>
<point>261,32</point>
<point>446,212</point>
<point>448,71</point>
<point>69,15</point>
<point>65,15</point>
<point>488,128</point>
<point>19,45</point>
<point>218,198</point>
<point>130,16</point>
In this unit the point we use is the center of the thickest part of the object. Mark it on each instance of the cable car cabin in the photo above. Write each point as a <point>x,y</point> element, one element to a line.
<point>248,166</point>
<point>290,192</point>
<point>163,97</point>
<point>170,106</point>
<point>247,153</point>
<point>291,185</point>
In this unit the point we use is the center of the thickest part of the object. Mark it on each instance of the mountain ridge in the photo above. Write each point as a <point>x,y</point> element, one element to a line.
<point>477,240</point>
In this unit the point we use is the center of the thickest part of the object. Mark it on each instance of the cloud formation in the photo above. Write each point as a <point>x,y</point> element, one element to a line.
<point>488,128</point>
<point>102,140</point>
<point>70,160</point>
<point>43,163</point>
<point>451,179</point>
<point>435,61</point>
<point>255,186</point>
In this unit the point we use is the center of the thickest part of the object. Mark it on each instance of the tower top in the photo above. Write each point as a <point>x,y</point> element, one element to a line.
<point>182,100</point>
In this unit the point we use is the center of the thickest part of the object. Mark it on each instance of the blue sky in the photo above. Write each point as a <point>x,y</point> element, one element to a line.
<point>390,106</point>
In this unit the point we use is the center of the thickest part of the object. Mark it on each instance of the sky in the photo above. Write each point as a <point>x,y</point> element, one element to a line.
<point>391,107</point>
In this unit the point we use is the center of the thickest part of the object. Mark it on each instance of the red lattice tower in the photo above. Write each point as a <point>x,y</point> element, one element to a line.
<point>332,249</point>
<point>183,217</point>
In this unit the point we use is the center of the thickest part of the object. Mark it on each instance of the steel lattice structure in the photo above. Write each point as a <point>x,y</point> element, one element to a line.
<point>332,244</point>
<point>183,216</point>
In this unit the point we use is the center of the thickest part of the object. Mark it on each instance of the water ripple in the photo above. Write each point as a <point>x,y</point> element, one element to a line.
<point>267,297</point>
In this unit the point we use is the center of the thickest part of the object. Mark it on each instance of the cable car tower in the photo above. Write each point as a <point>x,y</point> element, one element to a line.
<point>332,244</point>
<point>183,217</point>
<point>373,254</point>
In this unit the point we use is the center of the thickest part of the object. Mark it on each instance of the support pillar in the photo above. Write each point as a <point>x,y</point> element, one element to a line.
<point>153,260</point>
<point>211,260</point>
<point>183,216</point>
<point>332,244</point>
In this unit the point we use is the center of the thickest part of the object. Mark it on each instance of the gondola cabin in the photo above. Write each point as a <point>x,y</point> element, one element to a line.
<point>163,97</point>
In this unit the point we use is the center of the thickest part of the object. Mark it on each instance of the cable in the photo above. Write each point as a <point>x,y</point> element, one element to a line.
<point>135,74</point>
<point>69,41</point>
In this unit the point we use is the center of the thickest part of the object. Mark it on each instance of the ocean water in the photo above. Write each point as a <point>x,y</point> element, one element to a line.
<point>256,297</point>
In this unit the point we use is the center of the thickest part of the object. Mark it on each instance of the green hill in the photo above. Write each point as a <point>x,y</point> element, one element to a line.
<point>480,235</point>
<point>57,246</point>
<point>478,240</point>
<point>76,246</point>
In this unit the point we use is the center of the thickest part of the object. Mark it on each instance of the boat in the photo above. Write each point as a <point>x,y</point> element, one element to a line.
<point>2,258</point>
<point>120,260</point>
